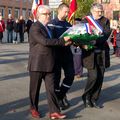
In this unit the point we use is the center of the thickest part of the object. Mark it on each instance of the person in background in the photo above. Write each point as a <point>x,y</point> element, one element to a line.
<point>21,28</point>
<point>113,25</point>
<point>77,52</point>
<point>117,52</point>
<point>16,31</point>
<point>28,24</point>
<point>2,28</point>
<point>97,59</point>
<point>41,63</point>
<point>10,28</point>
<point>63,57</point>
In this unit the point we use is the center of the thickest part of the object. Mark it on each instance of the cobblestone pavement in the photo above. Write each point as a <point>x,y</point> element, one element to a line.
<point>14,90</point>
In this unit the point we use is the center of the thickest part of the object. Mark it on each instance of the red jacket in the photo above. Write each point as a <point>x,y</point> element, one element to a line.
<point>114,37</point>
<point>2,26</point>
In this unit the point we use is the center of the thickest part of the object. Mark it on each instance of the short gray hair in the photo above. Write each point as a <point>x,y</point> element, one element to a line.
<point>41,8</point>
<point>97,5</point>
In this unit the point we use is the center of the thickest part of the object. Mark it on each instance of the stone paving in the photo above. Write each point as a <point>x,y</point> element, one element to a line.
<point>14,89</point>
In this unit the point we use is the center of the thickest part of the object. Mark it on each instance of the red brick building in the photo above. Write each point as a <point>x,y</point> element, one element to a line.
<point>15,7</point>
<point>112,8</point>
<point>21,7</point>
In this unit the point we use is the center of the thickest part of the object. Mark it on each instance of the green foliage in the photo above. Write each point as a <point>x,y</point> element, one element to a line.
<point>83,7</point>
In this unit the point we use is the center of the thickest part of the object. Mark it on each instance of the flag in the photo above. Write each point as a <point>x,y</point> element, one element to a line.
<point>35,5</point>
<point>73,8</point>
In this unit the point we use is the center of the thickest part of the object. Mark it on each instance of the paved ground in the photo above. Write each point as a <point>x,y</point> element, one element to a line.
<point>14,86</point>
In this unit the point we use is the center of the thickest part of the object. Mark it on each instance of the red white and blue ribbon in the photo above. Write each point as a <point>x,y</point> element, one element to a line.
<point>88,28</point>
<point>94,23</point>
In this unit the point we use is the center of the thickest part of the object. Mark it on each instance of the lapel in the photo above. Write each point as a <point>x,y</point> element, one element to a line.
<point>44,30</point>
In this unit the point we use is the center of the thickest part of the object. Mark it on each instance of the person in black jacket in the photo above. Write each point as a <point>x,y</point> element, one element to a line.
<point>21,28</point>
<point>16,31</point>
<point>118,41</point>
<point>10,28</point>
<point>28,24</point>
<point>97,59</point>
<point>63,57</point>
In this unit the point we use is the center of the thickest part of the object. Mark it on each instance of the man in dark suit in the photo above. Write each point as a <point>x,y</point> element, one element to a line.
<point>96,60</point>
<point>41,62</point>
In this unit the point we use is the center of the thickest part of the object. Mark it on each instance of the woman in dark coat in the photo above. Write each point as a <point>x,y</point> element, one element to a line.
<point>118,42</point>
<point>16,30</point>
<point>21,29</point>
<point>28,25</point>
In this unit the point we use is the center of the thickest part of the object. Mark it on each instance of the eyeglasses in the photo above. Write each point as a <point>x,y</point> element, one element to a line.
<point>99,11</point>
<point>49,14</point>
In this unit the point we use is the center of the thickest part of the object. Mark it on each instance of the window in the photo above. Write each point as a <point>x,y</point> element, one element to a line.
<point>17,13</point>
<point>45,1</point>
<point>29,12</point>
<point>116,15</point>
<point>2,11</point>
<point>105,1</point>
<point>9,10</point>
<point>30,1</point>
<point>24,13</point>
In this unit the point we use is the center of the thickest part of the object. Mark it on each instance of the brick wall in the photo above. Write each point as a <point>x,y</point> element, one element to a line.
<point>14,4</point>
<point>109,8</point>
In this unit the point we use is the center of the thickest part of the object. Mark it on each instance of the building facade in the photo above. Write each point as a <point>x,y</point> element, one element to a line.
<point>111,8</point>
<point>22,7</point>
<point>15,7</point>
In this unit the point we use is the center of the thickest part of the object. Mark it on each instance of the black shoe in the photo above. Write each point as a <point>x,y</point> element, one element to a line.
<point>95,105</point>
<point>87,102</point>
<point>64,104</point>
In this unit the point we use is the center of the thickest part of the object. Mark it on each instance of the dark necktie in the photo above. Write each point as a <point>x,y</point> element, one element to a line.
<point>49,33</point>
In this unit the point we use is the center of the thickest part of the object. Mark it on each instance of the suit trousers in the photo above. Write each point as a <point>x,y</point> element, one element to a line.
<point>95,79</point>
<point>35,83</point>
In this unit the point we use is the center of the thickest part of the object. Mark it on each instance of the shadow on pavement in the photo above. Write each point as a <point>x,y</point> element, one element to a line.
<point>13,54</point>
<point>5,61</point>
<point>110,94</point>
<point>14,76</point>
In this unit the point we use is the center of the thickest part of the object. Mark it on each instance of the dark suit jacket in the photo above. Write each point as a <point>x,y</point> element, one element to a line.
<point>88,57</point>
<point>41,53</point>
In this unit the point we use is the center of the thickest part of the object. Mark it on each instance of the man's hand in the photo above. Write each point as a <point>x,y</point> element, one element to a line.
<point>67,40</point>
<point>85,47</point>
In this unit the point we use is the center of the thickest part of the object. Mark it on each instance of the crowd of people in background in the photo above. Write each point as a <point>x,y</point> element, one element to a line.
<point>15,28</point>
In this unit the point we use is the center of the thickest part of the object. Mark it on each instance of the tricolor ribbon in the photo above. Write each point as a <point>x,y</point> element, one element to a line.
<point>94,23</point>
<point>88,28</point>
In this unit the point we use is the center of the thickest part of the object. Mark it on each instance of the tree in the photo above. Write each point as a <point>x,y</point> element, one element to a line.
<point>83,7</point>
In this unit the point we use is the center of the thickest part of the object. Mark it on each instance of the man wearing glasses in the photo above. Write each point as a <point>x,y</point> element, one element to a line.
<point>41,62</point>
<point>97,59</point>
